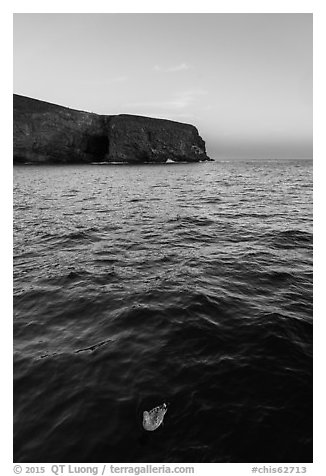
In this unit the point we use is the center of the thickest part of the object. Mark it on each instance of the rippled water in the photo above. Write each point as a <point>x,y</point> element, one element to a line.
<point>182,283</point>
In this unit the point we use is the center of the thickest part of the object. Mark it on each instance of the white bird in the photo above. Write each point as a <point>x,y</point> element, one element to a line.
<point>153,418</point>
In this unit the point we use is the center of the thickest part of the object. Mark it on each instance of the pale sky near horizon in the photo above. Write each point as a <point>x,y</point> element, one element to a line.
<point>244,80</point>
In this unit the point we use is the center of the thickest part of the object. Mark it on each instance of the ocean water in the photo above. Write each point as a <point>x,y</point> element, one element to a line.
<point>189,284</point>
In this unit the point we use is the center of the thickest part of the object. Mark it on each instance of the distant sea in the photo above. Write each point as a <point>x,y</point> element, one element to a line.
<point>189,284</point>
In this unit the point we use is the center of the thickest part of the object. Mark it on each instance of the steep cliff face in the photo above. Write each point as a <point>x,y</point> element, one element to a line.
<point>142,139</point>
<point>47,133</point>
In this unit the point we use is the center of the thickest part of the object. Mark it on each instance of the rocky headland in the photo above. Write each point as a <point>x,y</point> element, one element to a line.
<point>47,133</point>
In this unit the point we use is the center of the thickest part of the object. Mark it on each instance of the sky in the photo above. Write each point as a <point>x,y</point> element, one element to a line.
<point>244,80</point>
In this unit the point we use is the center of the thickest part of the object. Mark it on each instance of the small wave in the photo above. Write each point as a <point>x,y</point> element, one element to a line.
<point>185,221</point>
<point>292,239</point>
<point>211,200</point>
<point>93,347</point>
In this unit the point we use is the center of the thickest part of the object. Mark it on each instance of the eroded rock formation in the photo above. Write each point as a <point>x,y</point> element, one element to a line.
<point>47,133</point>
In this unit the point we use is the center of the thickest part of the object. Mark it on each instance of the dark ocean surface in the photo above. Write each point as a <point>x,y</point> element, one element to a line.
<point>182,283</point>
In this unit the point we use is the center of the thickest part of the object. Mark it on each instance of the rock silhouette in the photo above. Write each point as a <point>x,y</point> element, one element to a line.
<point>48,133</point>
